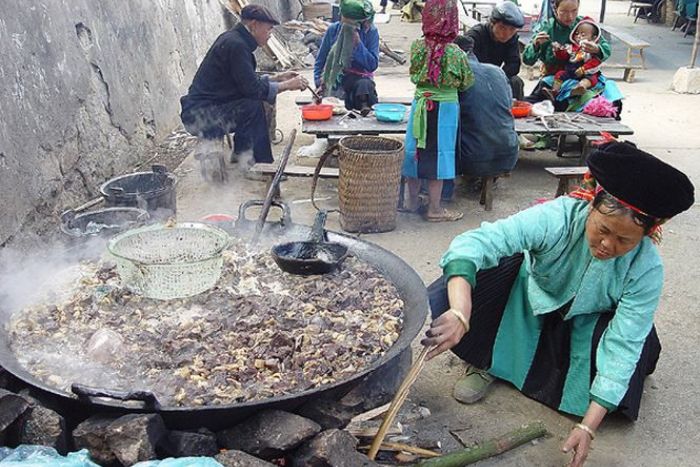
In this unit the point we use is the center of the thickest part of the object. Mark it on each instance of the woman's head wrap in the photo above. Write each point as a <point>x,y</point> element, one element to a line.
<point>359,10</point>
<point>639,181</point>
<point>440,27</point>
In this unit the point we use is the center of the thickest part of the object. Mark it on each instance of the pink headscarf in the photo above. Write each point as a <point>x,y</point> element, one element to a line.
<point>440,27</point>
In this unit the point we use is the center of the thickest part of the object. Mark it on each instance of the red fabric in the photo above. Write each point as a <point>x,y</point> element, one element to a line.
<point>440,27</point>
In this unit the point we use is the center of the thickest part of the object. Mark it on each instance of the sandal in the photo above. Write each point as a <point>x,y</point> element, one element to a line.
<point>445,216</point>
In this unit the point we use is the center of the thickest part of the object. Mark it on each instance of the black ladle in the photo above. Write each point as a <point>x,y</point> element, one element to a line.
<point>311,257</point>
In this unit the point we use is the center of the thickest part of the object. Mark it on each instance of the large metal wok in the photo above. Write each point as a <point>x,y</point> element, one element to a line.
<point>407,281</point>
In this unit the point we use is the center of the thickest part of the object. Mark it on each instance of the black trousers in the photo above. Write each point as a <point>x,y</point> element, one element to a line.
<point>245,117</point>
<point>357,88</point>
<point>517,86</point>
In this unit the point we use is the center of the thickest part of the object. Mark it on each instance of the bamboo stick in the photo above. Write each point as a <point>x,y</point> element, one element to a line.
<point>400,447</point>
<point>490,448</point>
<point>396,404</point>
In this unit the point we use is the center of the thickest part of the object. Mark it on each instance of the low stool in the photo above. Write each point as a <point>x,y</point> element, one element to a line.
<point>487,184</point>
<point>566,175</point>
<point>212,164</point>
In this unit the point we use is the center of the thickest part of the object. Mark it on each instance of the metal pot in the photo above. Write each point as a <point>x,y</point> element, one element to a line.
<point>94,400</point>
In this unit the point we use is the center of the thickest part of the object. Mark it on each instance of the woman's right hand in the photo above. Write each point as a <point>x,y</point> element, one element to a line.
<point>445,332</point>
<point>448,329</point>
<point>540,38</point>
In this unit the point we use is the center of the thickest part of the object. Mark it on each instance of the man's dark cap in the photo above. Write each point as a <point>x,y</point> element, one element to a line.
<point>508,12</point>
<point>641,180</point>
<point>259,13</point>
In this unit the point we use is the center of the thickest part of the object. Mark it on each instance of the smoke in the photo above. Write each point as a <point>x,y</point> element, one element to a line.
<point>27,277</point>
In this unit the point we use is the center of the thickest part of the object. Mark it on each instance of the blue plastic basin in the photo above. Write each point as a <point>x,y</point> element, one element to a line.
<point>390,112</point>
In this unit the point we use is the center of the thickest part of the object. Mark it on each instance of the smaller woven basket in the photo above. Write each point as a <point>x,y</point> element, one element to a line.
<point>368,186</point>
<point>165,262</point>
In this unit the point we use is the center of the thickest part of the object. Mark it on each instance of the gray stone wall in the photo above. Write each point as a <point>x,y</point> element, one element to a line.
<point>87,88</point>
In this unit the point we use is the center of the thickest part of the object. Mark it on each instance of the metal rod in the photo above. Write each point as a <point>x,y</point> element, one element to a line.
<point>696,43</point>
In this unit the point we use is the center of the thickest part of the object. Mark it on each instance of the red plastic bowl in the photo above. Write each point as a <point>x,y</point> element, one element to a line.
<point>317,112</point>
<point>521,109</point>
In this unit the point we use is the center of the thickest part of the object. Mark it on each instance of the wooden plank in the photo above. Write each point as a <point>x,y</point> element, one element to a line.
<point>405,100</point>
<point>625,37</point>
<point>566,171</point>
<point>619,66</point>
<point>338,126</point>
<point>593,126</point>
<point>295,170</point>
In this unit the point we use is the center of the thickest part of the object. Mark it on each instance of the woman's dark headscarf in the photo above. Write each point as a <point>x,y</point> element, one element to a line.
<point>639,181</point>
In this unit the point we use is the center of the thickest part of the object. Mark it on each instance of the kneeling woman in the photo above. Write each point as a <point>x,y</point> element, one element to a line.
<point>559,299</point>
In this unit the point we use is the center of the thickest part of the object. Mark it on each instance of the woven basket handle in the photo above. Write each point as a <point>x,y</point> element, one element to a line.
<point>331,149</point>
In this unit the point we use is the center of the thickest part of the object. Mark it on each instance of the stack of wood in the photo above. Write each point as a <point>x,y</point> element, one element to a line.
<point>276,48</point>
<point>319,27</point>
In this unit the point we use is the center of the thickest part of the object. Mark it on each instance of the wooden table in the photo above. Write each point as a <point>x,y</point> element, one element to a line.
<point>586,126</point>
<point>339,126</point>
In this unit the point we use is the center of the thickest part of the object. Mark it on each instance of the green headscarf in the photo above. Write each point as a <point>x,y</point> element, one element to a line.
<point>340,55</point>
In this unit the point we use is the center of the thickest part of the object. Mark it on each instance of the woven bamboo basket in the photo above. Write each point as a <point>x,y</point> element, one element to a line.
<point>368,187</point>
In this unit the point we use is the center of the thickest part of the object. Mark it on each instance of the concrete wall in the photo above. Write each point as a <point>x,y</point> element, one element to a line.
<point>87,88</point>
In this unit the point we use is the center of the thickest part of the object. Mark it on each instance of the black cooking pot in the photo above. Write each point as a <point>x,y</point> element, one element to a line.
<point>92,400</point>
<point>152,191</point>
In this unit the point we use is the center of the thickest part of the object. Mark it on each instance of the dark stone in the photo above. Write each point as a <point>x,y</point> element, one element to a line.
<point>44,427</point>
<point>11,407</point>
<point>186,444</point>
<point>268,434</point>
<point>134,438</point>
<point>92,435</point>
<point>327,413</point>
<point>380,386</point>
<point>240,459</point>
<point>331,448</point>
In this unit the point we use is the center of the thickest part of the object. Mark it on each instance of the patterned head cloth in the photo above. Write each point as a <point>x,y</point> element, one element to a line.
<point>440,27</point>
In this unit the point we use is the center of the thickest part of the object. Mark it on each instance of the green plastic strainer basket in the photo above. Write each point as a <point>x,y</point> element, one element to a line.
<point>166,262</point>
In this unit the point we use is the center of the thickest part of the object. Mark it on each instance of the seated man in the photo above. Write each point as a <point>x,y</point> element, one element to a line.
<point>227,95</point>
<point>497,43</point>
<point>488,142</point>
<point>349,55</point>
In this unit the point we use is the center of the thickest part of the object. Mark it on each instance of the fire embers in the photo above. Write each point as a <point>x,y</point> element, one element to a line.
<point>258,334</point>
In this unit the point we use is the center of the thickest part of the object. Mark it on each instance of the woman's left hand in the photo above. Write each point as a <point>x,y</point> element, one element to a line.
<point>580,442</point>
<point>590,47</point>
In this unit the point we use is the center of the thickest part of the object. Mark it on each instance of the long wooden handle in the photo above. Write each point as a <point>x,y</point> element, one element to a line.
<point>397,402</point>
<point>273,186</point>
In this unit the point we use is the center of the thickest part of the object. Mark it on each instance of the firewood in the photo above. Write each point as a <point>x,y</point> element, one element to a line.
<point>370,414</point>
<point>390,53</point>
<point>489,448</point>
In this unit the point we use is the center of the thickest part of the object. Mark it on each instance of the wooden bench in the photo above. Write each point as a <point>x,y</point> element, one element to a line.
<point>566,175</point>
<point>635,52</point>
<point>268,171</point>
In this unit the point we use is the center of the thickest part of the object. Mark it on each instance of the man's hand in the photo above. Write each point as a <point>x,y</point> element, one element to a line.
<point>445,332</point>
<point>284,76</point>
<point>298,83</point>
<point>579,442</point>
<point>540,38</point>
<point>580,72</point>
<point>355,38</point>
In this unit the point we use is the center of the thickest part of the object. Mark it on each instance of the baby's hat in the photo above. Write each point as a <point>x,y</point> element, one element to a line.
<point>586,20</point>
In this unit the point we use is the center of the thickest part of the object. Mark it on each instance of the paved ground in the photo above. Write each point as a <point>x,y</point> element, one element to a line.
<point>665,124</point>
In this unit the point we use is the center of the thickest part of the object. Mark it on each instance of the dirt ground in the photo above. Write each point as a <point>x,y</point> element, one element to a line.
<point>665,124</point>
